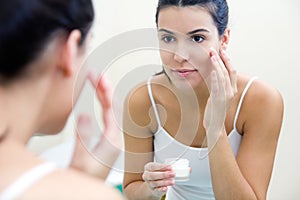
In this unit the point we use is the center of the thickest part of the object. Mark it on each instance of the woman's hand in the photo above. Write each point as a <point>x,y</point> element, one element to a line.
<point>99,160</point>
<point>158,177</point>
<point>112,132</point>
<point>223,88</point>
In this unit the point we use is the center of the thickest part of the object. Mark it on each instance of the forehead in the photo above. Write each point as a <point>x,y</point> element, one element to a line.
<point>185,19</point>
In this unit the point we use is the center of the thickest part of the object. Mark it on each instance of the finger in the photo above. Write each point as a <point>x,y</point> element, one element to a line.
<point>93,79</point>
<point>162,190</point>
<point>224,70</point>
<point>232,71</point>
<point>103,89</point>
<point>96,84</point>
<point>154,176</point>
<point>157,167</point>
<point>161,183</point>
<point>106,89</point>
<point>226,88</point>
<point>218,68</point>
<point>111,133</point>
<point>84,129</point>
<point>219,80</point>
<point>214,85</point>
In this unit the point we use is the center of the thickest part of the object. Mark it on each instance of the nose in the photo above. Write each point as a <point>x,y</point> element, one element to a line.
<point>181,54</point>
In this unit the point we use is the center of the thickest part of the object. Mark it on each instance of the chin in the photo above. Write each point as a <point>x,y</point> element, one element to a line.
<point>54,127</point>
<point>188,83</point>
<point>52,130</point>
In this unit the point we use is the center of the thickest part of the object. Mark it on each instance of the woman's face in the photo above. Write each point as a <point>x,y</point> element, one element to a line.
<point>186,35</point>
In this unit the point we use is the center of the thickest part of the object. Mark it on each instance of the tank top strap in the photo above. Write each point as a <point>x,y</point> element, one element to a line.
<point>241,100</point>
<point>153,102</point>
<point>15,190</point>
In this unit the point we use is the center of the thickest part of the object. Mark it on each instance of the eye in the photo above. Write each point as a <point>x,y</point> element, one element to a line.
<point>197,38</point>
<point>168,39</point>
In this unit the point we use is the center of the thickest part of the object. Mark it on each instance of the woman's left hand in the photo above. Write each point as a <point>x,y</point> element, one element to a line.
<point>99,160</point>
<point>223,88</point>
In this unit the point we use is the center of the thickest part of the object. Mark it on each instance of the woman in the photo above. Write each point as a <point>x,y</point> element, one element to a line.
<point>42,46</point>
<point>199,108</point>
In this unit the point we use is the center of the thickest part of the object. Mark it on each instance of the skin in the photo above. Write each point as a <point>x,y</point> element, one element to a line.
<point>217,88</point>
<point>24,104</point>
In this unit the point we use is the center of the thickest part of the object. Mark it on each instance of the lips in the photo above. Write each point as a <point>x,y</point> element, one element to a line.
<point>184,72</point>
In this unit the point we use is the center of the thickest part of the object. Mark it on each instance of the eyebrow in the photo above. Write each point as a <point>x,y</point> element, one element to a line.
<point>198,30</point>
<point>165,30</point>
<point>189,33</point>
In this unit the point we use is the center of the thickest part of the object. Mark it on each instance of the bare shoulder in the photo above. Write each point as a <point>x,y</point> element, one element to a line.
<point>71,184</point>
<point>137,105</point>
<point>139,96</point>
<point>263,106</point>
<point>262,93</point>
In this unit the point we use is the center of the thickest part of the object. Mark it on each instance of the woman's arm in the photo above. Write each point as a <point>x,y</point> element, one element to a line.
<point>248,175</point>
<point>143,179</point>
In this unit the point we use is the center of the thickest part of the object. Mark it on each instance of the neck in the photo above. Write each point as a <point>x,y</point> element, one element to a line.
<point>192,97</point>
<point>20,105</point>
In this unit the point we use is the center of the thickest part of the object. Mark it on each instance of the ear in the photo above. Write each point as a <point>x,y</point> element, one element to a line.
<point>70,53</point>
<point>225,39</point>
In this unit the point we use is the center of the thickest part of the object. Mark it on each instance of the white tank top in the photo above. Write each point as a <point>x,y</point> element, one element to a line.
<point>23,183</point>
<point>199,186</point>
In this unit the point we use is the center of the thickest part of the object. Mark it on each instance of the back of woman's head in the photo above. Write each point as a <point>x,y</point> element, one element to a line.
<point>217,8</point>
<point>26,27</point>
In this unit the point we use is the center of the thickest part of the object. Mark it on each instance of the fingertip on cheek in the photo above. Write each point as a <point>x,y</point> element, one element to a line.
<point>213,51</point>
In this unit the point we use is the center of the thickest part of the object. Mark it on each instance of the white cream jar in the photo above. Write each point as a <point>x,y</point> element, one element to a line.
<point>181,168</point>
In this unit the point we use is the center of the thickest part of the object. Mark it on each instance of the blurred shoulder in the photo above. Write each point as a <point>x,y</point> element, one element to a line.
<point>71,184</point>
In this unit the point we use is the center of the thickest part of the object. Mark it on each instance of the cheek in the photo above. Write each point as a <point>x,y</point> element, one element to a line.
<point>79,82</point>
<point>166,57</point>
<point>201,61</point>
<point>78,86</point>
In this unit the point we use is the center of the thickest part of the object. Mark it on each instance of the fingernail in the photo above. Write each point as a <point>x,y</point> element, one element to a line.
<point>172,182</point>
<point>171,174</point>
<point>211,51</point>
